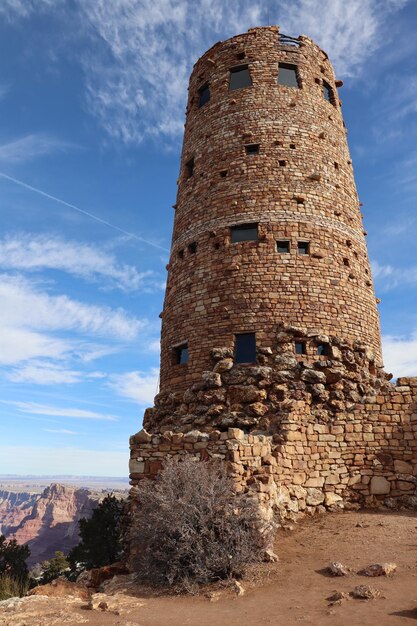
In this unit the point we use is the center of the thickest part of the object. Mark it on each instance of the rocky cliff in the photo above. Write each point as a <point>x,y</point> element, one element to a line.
<point>48,521</point>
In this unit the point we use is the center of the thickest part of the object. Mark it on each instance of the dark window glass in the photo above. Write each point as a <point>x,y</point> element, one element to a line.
<point>303,247</point>
<point>252,148</point>
<point>244,232</point>
<point>283,247</point>
<point>327,92</point>
<point>189,168</point>
<point>245,348</point>
<point>287,75</point>
<point>323,349</point>
<point>181,354</point>
<point>192,248</point>
<point>203,95</point>
<point>239,77</point>
<point>300,347</point>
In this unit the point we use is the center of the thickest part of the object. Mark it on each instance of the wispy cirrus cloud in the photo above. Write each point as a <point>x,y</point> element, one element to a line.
<point>60,431</point>
<point>34,408</point>
<point>37,325</point>
<point>30,252</point>
<point>48,373</point>
<point>140,52</point>
<point>30,147</point>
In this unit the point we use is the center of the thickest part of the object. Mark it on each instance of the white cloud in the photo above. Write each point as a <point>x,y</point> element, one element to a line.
<point>29,147</point>
<point>71,412</point>
<point>142,51</point>
<point>20,344</point>
<point>40,252</point>
<point>391,277</point>
<point>45,374</point>
<point>138,386</point>
<point>60,431</point>
<point>58,461</point>
<point>137,76</point>
<point>23,306</point>
<point>400,354</point>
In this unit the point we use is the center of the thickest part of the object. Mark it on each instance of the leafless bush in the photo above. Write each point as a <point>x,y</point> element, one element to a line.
<point>191,528</point>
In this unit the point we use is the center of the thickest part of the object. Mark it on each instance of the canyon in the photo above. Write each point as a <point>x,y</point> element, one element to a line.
<point>46,521</point>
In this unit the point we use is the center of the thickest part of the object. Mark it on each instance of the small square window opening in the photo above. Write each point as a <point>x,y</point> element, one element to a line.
<point>240,55</point>
<point>292,146</point>
<point>300,347</point>
<point>189,168</point>
<point>203,95</point>
<point>180,254</point>
<point>223,173</point>
<point>303,247</point>
<point>192,247</point>
<point>282,163</point>
<point>323,349</point>
<point>239,77</point>
<point>252,148</point>
<point>181,354</point>
<point>283,246</point>
<point>328,92</point>
<point>245,348</point>
<point>287,75</point>
<point>244,232</point>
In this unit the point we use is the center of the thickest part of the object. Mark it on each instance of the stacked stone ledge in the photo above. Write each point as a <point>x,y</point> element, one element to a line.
<point>300,435</point>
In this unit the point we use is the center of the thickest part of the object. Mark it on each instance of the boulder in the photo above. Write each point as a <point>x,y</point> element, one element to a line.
<point>379,569</point>
<point>246,394</point>
<point>332,499</point>
<point>363,592</point>
<point>143,437</point>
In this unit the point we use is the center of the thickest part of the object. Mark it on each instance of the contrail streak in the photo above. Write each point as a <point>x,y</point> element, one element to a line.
<point>76,208</point>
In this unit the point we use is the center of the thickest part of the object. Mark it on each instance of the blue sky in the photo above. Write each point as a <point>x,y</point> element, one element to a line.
<point>92,99</point>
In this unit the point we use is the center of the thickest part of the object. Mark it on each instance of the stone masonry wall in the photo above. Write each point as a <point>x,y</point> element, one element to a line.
<point>299,187</point>
<point>324,428</point>
<point>299,433</point>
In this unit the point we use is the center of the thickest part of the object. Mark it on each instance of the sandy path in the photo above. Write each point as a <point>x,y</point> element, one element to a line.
<point>297,590</point>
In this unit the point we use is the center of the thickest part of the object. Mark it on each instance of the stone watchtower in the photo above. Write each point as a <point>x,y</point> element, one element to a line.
<point>271,353</point>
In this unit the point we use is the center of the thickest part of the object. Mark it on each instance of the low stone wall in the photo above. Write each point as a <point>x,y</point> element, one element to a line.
<point>301,431</point>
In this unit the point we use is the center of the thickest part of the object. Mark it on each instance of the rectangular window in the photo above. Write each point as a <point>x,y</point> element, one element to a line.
<point>244,232</point>
<point>189,168</point>
<point>181,354</point>
<point>323,349</point>
<point>300,347</point>
<point>287,75</point>
<point>192,247</point>
<point>283,246</point>
<point>328,92</point>
<point>239,77</point>
<point>252,148</point>
<point>303,247</point>
<point>245,351</point>
<point>203,95</point>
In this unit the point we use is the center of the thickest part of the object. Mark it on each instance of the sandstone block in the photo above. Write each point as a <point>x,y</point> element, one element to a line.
<point>379,485</point>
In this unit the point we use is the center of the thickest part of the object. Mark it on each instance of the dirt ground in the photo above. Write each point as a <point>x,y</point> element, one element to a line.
<point>293,591</point>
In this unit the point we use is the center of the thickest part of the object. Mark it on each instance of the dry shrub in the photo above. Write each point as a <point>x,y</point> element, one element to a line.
<point>191,528</point>
<point>11,587</point>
